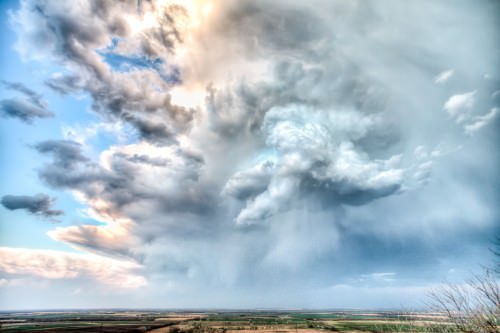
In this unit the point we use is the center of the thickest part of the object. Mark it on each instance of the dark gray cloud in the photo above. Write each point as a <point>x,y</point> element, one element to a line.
<point>155,117</point>
<point>23,110</point>
<point>26,108</point>
<point>69,168</point>
<point>40,204</point>
<point>151,131</point>
<point>65,153</point>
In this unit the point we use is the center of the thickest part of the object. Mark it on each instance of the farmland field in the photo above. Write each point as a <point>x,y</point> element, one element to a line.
<point>218,321</point>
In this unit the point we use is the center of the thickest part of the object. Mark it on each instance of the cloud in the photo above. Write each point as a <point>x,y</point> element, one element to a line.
<point>40,204</point>
<point>249,183</point>
<point>444,76</point>
<point>480,121</point>
<point>61,265</point>
<point>383,277</point>
<point>23,110</point>
<point>110,179</point>
<point>459,106</point>
<point>72,35</point>
<point>273,145</point>
<point>26,108</point>
<point>64,84</point>
<point>112,239</point>
<point>33,96</point>
<point>314,154</point>
<point>65,153</point>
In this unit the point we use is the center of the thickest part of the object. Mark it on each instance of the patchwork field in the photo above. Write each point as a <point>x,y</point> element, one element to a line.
<point>219,322</point>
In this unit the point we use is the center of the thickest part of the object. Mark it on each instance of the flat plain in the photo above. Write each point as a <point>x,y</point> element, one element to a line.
<point>127,321</point>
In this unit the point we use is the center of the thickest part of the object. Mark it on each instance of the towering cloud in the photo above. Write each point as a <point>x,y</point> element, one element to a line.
<point>276,144</point>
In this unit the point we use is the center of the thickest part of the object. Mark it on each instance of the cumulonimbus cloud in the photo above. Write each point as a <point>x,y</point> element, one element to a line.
<point>268,138</point>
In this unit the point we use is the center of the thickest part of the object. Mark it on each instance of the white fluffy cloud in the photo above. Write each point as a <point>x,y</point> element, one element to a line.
<point>462,108</point>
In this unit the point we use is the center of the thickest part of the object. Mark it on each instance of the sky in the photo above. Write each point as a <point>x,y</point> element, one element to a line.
<point>246,153</point>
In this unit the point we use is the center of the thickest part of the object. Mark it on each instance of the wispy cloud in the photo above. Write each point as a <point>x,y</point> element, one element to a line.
<point>461,108</point>
<point>61,265</point>
<point>444,76</point>
<point>26,108</point>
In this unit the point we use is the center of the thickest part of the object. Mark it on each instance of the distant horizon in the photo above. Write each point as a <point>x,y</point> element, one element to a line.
<point>209,310</point>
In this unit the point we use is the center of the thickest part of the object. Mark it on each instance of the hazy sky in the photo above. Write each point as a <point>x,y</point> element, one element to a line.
<point>246,153</point>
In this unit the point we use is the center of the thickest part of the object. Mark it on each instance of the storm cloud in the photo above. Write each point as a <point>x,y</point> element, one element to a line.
<point>40,204</point>
<point>276,146</point>
<point>73,34</point>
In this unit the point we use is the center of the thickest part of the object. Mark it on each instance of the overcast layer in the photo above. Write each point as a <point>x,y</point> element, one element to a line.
<point>265,153</point>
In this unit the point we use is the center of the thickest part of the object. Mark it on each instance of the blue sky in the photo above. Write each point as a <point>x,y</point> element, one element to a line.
<point>245,154</point>
<point>19,176</point>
